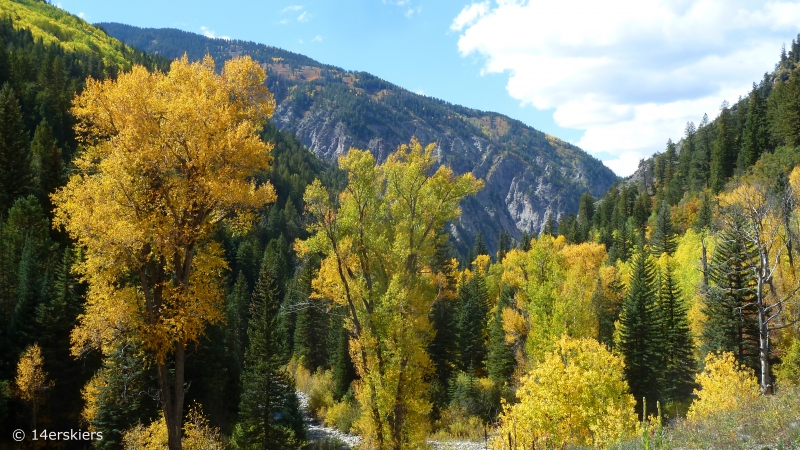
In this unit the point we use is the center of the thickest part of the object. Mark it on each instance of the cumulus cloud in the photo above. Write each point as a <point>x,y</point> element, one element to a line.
<point>630,73</point>
<point>209,33</point>
<point>304,17</point>
<point>291,8</point>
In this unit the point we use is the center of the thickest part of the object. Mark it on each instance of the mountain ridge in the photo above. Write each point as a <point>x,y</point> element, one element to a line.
<point>529,175</point>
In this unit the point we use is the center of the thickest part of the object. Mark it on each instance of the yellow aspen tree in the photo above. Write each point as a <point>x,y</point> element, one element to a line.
<point>167,158</point>
<point>724,385</point>
<point>575,396</point>
<point>378,242</point>
<point>31,382</point>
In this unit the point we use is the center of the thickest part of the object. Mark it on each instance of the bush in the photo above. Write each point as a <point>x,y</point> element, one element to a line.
<point>342,415</point>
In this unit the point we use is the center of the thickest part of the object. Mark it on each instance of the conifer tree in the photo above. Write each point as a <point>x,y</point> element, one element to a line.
<point>639,333</point>
<point>550,225</point>
<point>443,316</point>
<point>15,172</point>
<point>237,313</point>
<point>755,138</point>
<point>503,245</point>
<point>339,355</point>
<point>678,355</point>
<point>471,341</point>
<point>699,170</point>
<point>46,164</point>
<point>311,325</point>
<point>732,325</point>
<point>723,153</point>
<point>269,416</point>
<point>664,239</point>
<point>480,246</point>
<point>500,361</point>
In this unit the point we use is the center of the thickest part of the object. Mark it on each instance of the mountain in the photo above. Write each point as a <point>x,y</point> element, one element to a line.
<point>528,174</point>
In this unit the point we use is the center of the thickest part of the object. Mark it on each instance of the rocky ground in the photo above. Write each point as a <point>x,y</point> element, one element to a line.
<point>318,432</point>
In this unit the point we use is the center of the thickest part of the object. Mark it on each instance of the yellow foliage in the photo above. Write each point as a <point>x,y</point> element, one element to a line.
<point>31,381</point>
<point>198,434</point>
<point>377,246</point>
<point>167,157</point>
<point>576,396</point>
<point>555,282</point>
<point>724,385</point>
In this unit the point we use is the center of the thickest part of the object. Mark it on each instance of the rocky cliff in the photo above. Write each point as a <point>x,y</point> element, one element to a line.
<point>528,175</point>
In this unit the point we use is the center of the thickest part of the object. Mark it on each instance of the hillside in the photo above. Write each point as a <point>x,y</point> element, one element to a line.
<point>529,175</point>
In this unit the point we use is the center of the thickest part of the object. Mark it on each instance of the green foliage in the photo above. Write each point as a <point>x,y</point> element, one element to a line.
<point>732,324</point>
<point>14,156</point>
<point>269,412</point>
<point>500,362</point>
<point>639,335</point>
<point>471,333</point>
<point>664,239</point>
<point>676,340</point>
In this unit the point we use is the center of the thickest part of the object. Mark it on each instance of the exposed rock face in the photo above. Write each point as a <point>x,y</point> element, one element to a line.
<point>528,174</point>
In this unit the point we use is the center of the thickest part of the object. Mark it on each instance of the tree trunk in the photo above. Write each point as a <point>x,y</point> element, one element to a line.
<point>173,405</point>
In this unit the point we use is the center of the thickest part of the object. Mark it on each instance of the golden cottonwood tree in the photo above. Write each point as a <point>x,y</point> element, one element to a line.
<point>724,385</point>
<point>377,242</point>
<point>167,157</point>
<point>575,396</point>
<point>555,282</point>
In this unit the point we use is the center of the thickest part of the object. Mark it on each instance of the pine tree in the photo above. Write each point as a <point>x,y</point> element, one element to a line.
<point>664,239</point>
<point>237,312</point>
<point>503,245</point>
<point>550,225</point>
<point>723,153</point>
<point>639,334</point>
<point>677,350</point>
<point>311,325</point>
<point>500,362</point>
<point>608,308</point>
<point>443,316</point>
<point>45,163</point>
<point>700,166</point>
<point>471,328</point>
<point>339,355</point>
<point>732,325</point>
<point>755,138</point>
<point>14,155</point>
<point>269,416</point>
<point>480,246</point>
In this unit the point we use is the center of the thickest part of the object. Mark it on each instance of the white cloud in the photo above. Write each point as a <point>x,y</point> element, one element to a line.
<point>318,38</point>
<point>630,73</point>
<point>82,15</point>
<point>207,32</point>
<point>58,5</point>
<point>304,17</point>
<point>291,8</point>
<point>469,15</point>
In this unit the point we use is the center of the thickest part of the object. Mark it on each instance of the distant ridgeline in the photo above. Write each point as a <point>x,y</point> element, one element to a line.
<point>529,175</point>
<point>758,134</point>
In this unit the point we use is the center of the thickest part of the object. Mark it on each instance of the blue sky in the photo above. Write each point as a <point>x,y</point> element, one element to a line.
<point>617,78</point>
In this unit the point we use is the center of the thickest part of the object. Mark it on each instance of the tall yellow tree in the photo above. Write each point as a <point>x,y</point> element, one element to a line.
<point>378,242</point>
<point>167,157</point>
<point>31,382</point>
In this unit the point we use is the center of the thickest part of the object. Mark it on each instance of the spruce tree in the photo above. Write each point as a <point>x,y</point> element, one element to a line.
<point>339,355</point>
<point>755,138</point>
<point>677,348</point>
<point>550,225</point>
<point>732,324</point>
<point>269,416</point>
<point>607,307</point>
<point>480,246</point>
<point>503,245</point>
<point>443,317</point>
<point>471,328</point>
<point>500,362</point>
<point>15,171</point>
<point>723,152</point>
<point>312,322</point>
<point>639,333</point>
<point>45,163</point>
<point>664,239</point>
